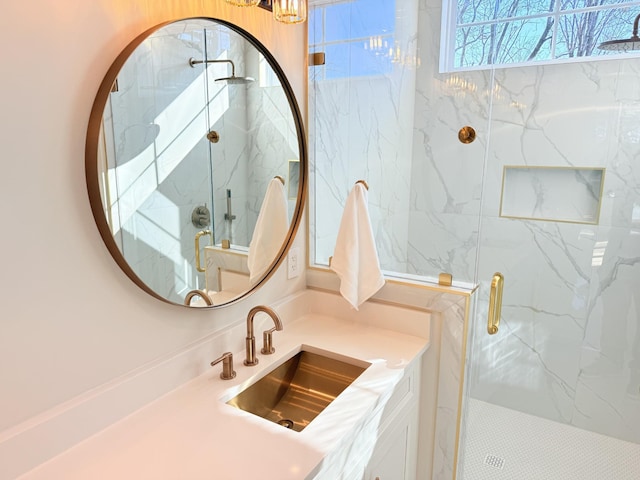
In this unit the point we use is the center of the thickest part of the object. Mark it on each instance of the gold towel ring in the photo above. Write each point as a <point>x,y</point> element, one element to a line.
<point>279,178</point>
<point>363,182</point>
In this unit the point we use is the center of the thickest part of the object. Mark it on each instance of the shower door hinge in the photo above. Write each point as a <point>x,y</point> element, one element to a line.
<point>316,59</point>
<point>445,279</point>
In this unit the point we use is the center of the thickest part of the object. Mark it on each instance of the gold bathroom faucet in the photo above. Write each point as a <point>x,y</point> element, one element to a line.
<point>251,359</point>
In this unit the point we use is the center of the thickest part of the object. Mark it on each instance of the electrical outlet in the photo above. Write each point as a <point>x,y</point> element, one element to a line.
<point>293,263</point>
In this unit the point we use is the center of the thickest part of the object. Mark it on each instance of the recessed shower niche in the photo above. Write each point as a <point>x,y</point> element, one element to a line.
<point>561,194</point>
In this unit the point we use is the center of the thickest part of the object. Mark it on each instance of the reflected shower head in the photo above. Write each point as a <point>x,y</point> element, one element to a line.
<point>625,45</point>
<point>233,80</point>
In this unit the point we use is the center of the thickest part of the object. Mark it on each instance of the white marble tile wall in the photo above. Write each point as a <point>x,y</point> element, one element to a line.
<point>570,316</point>
<point>274,139</point>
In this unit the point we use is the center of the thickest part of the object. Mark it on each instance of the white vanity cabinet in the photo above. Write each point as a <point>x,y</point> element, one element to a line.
<point>385,447</point>
<point>394,457</point>
<point>395,454</point>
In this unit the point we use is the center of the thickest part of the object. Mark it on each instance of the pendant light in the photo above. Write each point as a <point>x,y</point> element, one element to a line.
<point>290,11</point>
<point>244,3</point>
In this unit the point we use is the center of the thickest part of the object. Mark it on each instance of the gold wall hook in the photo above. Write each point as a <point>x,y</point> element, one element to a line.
<point>279,177</point>
<point>363,182</point>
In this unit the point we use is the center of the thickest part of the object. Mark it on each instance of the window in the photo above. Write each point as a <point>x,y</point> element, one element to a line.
<point>357,36</point>
<point>480,33</point>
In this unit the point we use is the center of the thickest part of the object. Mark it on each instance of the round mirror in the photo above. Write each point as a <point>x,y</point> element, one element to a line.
<point>196,162</point>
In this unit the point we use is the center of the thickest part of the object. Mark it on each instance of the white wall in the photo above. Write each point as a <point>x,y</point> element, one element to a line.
<point>71,320</point>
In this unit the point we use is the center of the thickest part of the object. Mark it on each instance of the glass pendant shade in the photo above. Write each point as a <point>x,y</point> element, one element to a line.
<point>290,11</point>
<point>243,3</point>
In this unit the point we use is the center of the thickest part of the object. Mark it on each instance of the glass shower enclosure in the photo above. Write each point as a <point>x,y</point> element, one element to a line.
<point>547,195</point>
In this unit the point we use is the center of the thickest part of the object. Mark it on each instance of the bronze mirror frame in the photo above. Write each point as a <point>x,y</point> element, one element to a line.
<point>92,170</point>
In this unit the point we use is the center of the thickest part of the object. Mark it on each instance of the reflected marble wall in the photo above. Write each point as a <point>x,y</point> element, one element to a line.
<point>160,169</point>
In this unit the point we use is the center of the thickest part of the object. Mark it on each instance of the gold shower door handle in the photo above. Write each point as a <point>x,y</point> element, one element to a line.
<point>199,267</point>
<point>495,303</point>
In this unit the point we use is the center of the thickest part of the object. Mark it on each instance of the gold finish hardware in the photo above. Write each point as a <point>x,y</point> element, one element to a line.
<point>467,134</point>
<point>316,59</point>
<point>363,182</point>
<point>213,136</point>
<point>250,340</point>
<point>495,303</point>
<point>199,293</point>
<point>297,391</point>
<point>267,342</point>
<point>199,267</point>
<point>445,279</point>
<point>226,244</point>
<point>227,366</point>
<point>279,177</point>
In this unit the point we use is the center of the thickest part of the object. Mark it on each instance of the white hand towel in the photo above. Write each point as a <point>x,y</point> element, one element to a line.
<point>270,230</point>
<point>355,258</point>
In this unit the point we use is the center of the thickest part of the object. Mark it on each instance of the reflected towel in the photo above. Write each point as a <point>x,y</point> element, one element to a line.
<point>355,258</point>
<point>270,230</point>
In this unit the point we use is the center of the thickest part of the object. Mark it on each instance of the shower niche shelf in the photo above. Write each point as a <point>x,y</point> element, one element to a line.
<point>559,194</point>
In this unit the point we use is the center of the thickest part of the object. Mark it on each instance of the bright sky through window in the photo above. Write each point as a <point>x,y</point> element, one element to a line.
<point>479,33</point>
<point>357,36</point>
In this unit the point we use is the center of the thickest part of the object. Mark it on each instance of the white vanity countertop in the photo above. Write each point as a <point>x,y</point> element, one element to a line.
<point>192,434</point>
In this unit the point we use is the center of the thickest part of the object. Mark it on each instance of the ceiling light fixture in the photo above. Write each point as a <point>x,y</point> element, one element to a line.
<point>290,11</point>
<point>243,3</point>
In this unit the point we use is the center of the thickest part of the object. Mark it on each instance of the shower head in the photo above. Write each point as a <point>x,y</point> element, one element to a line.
<point>625,45</point>
<point>233,80</point>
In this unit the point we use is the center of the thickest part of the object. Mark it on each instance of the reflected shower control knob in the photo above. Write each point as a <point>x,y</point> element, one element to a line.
<point>201,216</point>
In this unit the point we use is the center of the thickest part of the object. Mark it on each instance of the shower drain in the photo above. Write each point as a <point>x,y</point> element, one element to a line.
<point>494,461</point>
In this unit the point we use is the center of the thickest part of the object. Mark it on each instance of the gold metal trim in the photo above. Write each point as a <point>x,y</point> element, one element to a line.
<point>495,303</point>
<point>229,251</point>
<point>201,233</point>
<point>467,134</point>
<point>317,59</point>
<point>463,368</point>
<point>445,279</point>
<point>558,220</point>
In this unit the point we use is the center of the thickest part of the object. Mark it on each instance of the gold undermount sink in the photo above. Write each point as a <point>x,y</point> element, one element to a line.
<point>295,392</point>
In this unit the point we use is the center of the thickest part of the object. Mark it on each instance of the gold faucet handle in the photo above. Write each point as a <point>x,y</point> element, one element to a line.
<point>267,341</point>
<point>227,366</point>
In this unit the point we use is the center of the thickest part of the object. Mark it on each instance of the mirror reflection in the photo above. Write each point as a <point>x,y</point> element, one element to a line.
<point>197,137</point>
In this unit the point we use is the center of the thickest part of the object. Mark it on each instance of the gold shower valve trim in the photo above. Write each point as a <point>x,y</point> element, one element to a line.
<point>467,134</point>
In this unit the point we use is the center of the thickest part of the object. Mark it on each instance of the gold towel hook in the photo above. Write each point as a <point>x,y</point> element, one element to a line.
<point>363,182</point>
<point>279,178</point>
